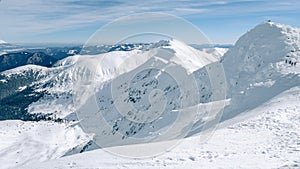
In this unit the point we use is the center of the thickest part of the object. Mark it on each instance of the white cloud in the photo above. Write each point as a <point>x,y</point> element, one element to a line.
<point>20,17</point>
<point>30,16</point>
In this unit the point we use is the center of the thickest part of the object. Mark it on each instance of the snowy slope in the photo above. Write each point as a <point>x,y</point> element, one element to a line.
<point>258,67</point>
<point>23,69</point>
<point>189,58</point>
<point>267,138</point>
<point>25,142</point>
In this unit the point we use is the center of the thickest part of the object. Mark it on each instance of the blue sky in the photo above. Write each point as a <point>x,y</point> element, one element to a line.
<point>74,21</point>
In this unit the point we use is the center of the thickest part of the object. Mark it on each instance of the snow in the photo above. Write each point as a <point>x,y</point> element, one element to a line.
<point>22,88</point>
<point>3,80</point>
<point>265,137</point>
<point>61,105</point>
<point>2,53</point>
<point>221,51</point>
<point>26,142</point>
<point>190,58</point>
<point>255,66</point>
<point>71,52</point>
<point>107,63</point>
<point>263,46</point>
<point>22,69</point>
<point>268,83</point>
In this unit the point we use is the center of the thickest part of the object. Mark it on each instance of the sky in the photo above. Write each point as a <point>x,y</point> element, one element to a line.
<point>74,21</point>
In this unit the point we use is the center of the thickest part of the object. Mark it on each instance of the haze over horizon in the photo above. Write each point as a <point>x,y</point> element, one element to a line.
<point>223,22</point>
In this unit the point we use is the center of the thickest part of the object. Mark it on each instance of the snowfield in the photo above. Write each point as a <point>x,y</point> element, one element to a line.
<point>25,142</point>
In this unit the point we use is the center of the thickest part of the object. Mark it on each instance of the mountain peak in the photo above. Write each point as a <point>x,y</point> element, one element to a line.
<point>269,49</point>
<point>269,40</point>
<point>278,26</point>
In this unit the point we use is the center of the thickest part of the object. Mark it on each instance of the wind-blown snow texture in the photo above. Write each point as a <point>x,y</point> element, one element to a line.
<point>259,129</point>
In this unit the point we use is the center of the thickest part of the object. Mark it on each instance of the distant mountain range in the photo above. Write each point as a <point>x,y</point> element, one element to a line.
<point>15,55</point>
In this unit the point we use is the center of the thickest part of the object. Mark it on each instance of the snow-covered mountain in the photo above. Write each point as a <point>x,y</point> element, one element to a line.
<point>263,63</point>
<point>62,83</point>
